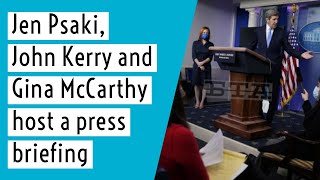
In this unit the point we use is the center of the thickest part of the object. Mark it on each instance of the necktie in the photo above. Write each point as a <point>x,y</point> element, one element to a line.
<point>269,36</point>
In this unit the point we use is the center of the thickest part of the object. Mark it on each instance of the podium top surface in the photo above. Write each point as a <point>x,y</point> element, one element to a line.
<point>240,49</point>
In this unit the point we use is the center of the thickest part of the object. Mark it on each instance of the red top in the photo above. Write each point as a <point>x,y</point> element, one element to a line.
<point>180,155</point>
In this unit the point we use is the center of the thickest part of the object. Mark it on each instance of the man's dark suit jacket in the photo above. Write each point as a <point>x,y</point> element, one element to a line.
<point>312,120</point>
<point>278,44</point>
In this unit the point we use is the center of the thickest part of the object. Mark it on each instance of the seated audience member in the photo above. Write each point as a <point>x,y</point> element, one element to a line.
<point>312,115</point>
<point>180,153</point>
<point>312,131</point>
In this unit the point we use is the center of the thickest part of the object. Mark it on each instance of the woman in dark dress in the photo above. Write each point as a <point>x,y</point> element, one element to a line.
<point>201,72</point>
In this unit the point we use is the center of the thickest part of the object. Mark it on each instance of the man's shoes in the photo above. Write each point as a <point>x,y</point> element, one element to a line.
<point>269,119</point>
<point>263,116</point>
<point>269,122</point>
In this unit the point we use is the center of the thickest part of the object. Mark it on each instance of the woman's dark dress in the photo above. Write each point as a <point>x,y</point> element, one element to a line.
<point>201,52</point>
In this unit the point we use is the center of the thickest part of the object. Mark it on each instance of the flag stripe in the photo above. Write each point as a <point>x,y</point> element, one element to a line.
<point>289,74</point>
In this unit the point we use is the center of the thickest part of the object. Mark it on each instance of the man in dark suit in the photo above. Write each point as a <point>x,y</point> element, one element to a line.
<point>271,41</point>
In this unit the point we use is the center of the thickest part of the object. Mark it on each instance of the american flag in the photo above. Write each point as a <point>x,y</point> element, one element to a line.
<point>289,74</point>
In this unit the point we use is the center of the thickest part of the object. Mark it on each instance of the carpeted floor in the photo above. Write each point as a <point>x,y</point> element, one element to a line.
<point>206,116</point>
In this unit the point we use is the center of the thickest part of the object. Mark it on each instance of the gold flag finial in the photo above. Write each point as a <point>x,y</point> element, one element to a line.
<point>294,8</point>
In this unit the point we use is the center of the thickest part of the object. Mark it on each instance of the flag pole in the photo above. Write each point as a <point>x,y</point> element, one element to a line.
<point>282,113</point>
<point>294,8</point>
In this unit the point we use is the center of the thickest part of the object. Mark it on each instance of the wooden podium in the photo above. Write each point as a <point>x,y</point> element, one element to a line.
<point>247,67</point>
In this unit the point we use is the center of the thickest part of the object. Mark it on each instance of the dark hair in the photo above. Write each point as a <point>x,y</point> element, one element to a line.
<point>201,31</point>
<point>177,114</point>
<point>271,12</point>
<point>319,79</point>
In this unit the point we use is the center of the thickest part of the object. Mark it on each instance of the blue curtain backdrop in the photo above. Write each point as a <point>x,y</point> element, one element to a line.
<point>241,22</point>
<point>309,68</point>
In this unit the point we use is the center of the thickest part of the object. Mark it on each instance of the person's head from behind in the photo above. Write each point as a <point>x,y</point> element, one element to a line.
<point>272,18</point>
<point>316,91</point>
<point>177,114</point>
<point>204,33</point>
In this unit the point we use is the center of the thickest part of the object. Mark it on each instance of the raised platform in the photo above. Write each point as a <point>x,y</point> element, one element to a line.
<point>246,127</point>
